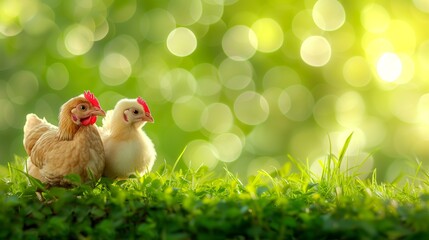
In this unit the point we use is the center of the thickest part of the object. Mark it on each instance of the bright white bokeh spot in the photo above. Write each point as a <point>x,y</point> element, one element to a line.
<point>235,75</point>
<point>356,72</point>
<point>251,108</point>
<point>316,51</point>
<point>229,146</point>
<point>115,69</point>
<point>78,39</point>
<point>375,18</point>
<point>181,42</point>
<point>187,112</point>
<point>217,118</point>
<point>200,153</point>
<point>408,69</point>
<point>240,43</point>
<point>329,15</point>
<point>269,34</point>
<point>22,86</point>
<point>57,76</point>
<point>186,12</point>
<point>296,102</point>
<point>178,83</point>
<point>389,67</point>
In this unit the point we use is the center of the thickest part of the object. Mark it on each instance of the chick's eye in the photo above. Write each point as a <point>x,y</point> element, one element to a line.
<point>82,107</point>
<point>136,112</point>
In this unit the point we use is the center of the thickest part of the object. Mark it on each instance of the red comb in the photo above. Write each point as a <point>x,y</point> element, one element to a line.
<point>144,104</point>
<point>91,98</point>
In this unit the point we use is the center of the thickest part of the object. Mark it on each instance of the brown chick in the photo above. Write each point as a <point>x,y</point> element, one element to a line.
<point>74,147</point>
<point>128,149</point>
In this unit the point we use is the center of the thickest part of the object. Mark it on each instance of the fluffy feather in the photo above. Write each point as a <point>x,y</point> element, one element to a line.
<point>74,146</point>
<point>128,149</point>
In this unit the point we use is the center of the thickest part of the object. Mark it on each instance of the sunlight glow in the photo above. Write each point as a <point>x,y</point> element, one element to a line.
<point>389,67</point>
<point>200,153</point>
<point>269,34</point>
<point>375,18</point>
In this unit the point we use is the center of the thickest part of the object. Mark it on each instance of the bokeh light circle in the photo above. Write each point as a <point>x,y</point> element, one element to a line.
<point>235,75</point>
<point>57,76</point>
<point>207,76</point>
<point>280,77</point>
<point>181,42</point>
<point>212,11</point>
<point>186,112</point>
<point>217,118</point>
<point>350,109</point>
<point>329,15</point>
<point>125,45</point>
<point>375,18</point>
<point>239,43</point>
<point>269,35</point>
<point>389,67</point>
<point>316,51</point>
<point>356,72</point>
<point>251,108</point>
<point>186,12</point>
<point>422,5</point>
<point>229,146</point>
<point>115,69</point>
<point>178,83</point>
<point>200,153</point>
<point>22,86</point>
<point>156,24</point>
<point>78,39</point>
<point>296,102</point>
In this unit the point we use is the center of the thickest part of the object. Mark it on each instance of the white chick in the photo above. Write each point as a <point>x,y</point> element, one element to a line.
<point>127,147</point>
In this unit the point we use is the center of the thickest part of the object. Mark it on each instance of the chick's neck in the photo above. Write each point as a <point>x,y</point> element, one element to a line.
<point>120,128</point>
<point>66,127</point>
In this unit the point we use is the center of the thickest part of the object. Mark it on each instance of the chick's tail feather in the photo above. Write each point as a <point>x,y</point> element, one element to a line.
<point>34,128</point>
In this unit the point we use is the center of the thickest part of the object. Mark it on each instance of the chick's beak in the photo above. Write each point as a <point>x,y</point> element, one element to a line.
<point>147,117</point>
<point>98,112</point>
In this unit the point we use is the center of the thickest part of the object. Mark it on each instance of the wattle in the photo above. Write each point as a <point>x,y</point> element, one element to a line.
<point>89,120</point>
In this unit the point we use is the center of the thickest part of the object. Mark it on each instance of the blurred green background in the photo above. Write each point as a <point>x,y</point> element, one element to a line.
<point>240,83</point>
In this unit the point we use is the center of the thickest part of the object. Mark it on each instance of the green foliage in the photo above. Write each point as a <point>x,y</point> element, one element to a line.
<point>197,204</point>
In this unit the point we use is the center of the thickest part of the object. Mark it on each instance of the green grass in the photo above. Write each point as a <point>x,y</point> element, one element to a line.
<point>171,203</point>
